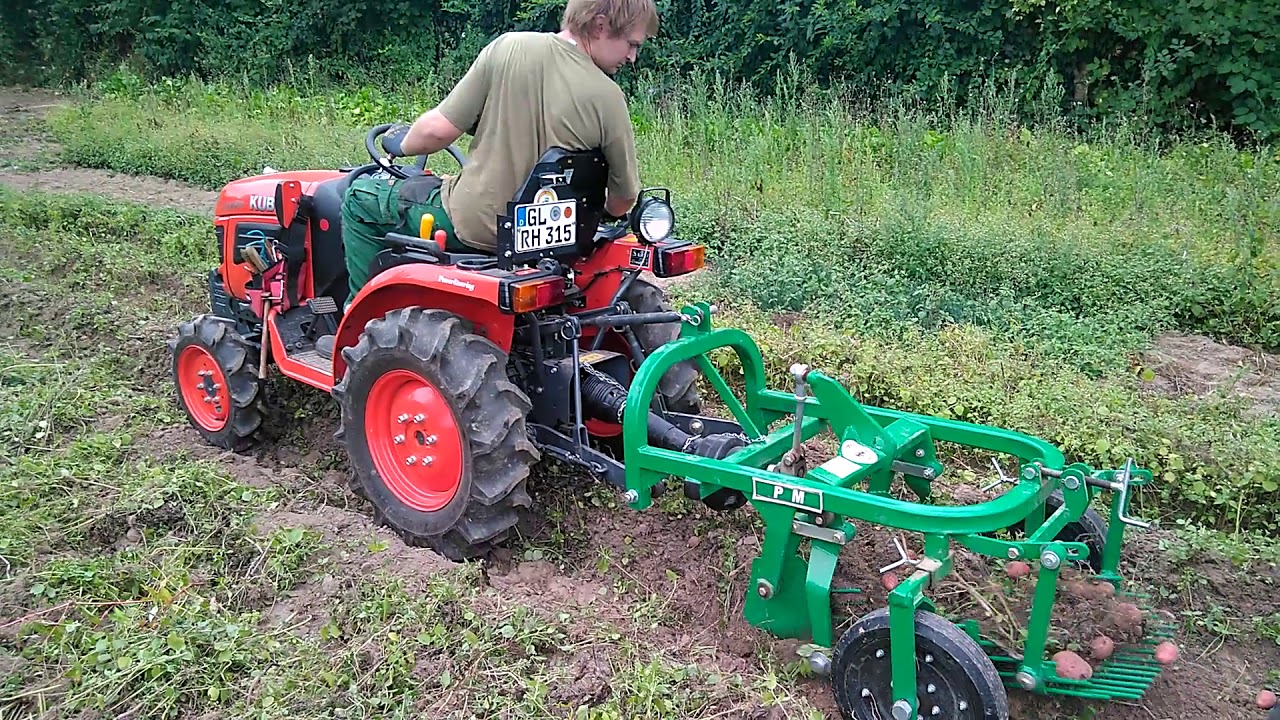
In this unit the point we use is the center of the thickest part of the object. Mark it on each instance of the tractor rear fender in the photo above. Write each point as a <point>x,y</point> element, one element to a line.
<point>471,295</point>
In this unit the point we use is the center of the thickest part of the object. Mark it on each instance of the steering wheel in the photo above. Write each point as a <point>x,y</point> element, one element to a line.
<point>387,163</point>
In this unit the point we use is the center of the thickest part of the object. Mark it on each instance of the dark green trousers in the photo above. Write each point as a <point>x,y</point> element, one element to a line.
<point>374,207</point>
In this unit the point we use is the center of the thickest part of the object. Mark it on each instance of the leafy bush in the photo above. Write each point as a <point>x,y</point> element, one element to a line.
<point>1082,247</point>
<point>1170,64</point>
<point>1212,464</point>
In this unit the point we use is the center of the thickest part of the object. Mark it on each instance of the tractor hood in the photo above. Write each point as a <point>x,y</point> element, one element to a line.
<point>256,195</point>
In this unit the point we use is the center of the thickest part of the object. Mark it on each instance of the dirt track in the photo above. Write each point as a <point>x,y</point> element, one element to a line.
<point>701,617</point>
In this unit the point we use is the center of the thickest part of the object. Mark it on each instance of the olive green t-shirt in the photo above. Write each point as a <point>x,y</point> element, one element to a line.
<point>527,92</point>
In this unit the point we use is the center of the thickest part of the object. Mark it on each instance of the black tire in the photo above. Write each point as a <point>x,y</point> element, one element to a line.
<point>678,388</point>
<point>952,672</point>
<point>1090,529</point>
<point>487,425</point>
<point>225,406</point>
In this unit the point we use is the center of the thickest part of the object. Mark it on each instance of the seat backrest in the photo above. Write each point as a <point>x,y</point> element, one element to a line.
<point>557,210</point>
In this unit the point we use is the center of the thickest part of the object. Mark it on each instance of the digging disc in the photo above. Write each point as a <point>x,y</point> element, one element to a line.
<point>435,432</point>
<point>214,371</point>
<point>953,674</point>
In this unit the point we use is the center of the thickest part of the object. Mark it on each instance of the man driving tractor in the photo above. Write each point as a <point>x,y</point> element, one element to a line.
<point>525,92</point>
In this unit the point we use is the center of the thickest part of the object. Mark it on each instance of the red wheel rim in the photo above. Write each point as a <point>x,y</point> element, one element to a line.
<point>414,440</point>
<point>204,388</point>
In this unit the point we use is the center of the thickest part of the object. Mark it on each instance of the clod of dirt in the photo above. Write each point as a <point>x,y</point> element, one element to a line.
<point>1166,653</point>
<point>1102,647</point>
<point>1266,699</point>
<point>1071,666</point>
<point>589,683</point>
<point>540,577</point>
<point>1199,366</point>
<point>889,580</point>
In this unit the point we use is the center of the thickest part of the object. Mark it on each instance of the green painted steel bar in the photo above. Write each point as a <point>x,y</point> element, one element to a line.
<point>751,426</point>
<point>903,601</point>
<point>1041,610</point>
<point>774,444</point>
<point>986,437</point>
<point>822,567</point>
<point>812,495</point>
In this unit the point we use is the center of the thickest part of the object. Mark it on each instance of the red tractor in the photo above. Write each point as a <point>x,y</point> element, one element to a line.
<point>455,373</point>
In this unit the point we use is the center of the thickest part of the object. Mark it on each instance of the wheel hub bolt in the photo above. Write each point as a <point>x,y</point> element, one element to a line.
<point>901,710</point>
<point>427,460</point>
<point>419,418</point>
<point>431,440</point>
<point>399,439</point>
<point>411,460</point>
<point>402,419</point>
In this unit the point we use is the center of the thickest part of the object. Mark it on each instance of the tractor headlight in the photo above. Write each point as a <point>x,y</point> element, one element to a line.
<point>653,219</point>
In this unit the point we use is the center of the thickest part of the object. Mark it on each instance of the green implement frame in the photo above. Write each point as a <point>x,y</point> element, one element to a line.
<point>790,594</point>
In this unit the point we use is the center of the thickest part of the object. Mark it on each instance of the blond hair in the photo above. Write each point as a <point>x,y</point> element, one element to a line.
<point>621,15</point>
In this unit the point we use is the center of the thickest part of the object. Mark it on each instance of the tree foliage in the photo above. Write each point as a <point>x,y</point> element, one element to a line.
<point>1199,61</point>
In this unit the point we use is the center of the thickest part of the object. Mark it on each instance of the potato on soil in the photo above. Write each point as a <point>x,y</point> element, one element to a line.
<point>1166,653</point>
<point>1071,666</point>
<point>1017,569</point>
<point>1266,699</point>
<point>1102,647</point>
<point>889,580</point>
<point>1126,617</point>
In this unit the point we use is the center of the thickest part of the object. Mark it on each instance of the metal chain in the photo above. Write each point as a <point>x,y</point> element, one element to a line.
<point>609,380</point>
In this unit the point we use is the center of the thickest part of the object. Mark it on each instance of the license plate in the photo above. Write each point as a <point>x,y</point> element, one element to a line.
<point>545,225</point>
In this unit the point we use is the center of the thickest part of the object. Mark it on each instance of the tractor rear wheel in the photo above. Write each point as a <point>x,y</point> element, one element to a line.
<point>215,371</point>
<point>678,388</point>
<point>435,432</point>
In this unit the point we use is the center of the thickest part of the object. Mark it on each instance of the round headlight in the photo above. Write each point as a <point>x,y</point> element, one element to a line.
<point>655,221</point>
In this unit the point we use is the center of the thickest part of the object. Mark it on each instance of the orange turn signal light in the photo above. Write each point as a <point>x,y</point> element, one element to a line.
<point>536,294</point>
<point>680,260</point>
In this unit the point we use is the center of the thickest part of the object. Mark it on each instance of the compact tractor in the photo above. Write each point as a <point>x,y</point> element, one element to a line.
<point>456,373</point>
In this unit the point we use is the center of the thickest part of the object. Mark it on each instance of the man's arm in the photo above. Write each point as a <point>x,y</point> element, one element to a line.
<point>442,125</point>
<point>619,148</point>
<point>430,133</point>
<point>618,205</point>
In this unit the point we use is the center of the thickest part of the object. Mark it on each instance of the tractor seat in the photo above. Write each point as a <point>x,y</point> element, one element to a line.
<point>329,263</point>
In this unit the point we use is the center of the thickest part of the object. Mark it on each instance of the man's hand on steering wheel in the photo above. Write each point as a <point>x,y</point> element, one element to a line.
<point>393,137</point>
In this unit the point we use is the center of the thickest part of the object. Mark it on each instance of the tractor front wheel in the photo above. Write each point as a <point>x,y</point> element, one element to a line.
<point>435,432</point>
<point>215,371</point>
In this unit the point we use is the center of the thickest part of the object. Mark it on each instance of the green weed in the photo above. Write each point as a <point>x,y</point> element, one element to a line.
<point>1080,246</point>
